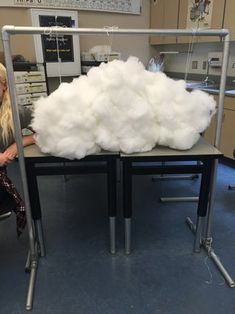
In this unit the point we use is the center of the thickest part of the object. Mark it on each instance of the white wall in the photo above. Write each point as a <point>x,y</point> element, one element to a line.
<point>127,45</point>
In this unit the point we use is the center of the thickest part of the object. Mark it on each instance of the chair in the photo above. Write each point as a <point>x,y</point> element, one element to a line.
<point>6,204</point>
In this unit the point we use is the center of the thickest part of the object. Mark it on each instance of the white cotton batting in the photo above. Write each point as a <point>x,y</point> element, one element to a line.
<point>120,106</point>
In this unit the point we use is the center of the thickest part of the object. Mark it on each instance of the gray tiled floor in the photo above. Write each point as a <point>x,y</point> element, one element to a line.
<point>162,275</point>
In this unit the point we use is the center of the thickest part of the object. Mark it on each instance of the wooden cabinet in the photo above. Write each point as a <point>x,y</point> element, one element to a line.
<point>164,14</point>
<point>229,20</point>
<point>209,134</point>
<point>227,140</point>
<point>173,14</point>
<point>216,20</point>
<point>227,143</point>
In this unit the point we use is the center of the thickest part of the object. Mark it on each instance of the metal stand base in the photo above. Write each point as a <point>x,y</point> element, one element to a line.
<point>5,216</point>
<point>180,199</point>
<point>32,279</point>
<point>31,266</point>
<point>127,236</point>
<point>112,232</point>
<point>206,243</point>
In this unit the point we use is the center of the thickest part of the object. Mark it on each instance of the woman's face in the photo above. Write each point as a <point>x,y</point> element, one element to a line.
<point>2,89</point>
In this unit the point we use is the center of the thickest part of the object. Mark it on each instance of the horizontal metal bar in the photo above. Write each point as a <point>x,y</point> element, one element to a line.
<point>180,177</point>
<point>14,30</point>
<point>42,171</point>
<point>172,199</point>
<point>171,169</point>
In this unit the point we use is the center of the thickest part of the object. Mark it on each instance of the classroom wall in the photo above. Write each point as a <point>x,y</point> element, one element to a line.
<point>136,45</point>
<point>20,44</point>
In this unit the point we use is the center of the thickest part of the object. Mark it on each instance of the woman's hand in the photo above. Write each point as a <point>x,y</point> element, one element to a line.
<point>5,159</point>
<point>11,151</point>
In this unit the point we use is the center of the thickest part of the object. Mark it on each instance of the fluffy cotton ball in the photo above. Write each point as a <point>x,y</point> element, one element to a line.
<point>119,106</point>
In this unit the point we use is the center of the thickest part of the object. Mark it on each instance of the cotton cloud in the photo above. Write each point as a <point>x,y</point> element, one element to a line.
<point>120,106</point>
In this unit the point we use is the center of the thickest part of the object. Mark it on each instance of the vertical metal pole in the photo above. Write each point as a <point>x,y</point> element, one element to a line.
<point>218,133</point>
<point>18,137</point>
<point>222,89</point>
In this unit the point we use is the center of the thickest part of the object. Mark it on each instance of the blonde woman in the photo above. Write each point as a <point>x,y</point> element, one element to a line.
<point>10,199</point>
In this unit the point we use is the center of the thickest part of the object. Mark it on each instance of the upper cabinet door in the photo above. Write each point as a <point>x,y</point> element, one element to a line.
<point>208,14</point>
<point>229,18</point>
<point>163,15</point>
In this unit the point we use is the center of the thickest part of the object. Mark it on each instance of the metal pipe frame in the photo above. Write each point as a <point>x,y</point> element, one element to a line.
<point>9,30</point>
<point>217,138</point>
<point>211,253</point>
<point>180,177</point>
<point>13,30</point>
<point>179,199</point>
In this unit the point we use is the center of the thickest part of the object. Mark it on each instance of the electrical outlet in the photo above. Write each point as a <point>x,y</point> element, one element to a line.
<point>215,59</point>
<point>204,64</point>
<point>194,65</point>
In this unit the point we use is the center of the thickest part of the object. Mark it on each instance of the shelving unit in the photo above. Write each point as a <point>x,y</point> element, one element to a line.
<point>89,60</point>
<point>31,83</point>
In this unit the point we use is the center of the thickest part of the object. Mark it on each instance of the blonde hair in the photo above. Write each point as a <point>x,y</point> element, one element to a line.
<point>6,121</point>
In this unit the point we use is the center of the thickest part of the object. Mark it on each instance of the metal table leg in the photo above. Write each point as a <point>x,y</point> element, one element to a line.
<point>40,237</point>
<point>203,201</point>
<point>112,233</point>
<point>127,203</point>
<point>127,236</point>
<point>35,205</point>
<point>112,202</point>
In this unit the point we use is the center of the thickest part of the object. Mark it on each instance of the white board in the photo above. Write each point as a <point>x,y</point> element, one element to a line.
<point>118,6</point>
<point>61,53</point>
